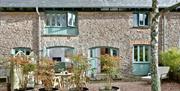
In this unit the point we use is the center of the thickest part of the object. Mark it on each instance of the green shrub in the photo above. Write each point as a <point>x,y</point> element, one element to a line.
<point>171,58</point>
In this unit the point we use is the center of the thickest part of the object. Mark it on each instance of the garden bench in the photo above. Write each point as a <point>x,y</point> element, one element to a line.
<point>162,73</point>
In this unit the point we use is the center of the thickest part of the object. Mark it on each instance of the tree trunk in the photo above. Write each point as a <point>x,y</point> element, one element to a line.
<point>155,81</point>
<point>12,76</point>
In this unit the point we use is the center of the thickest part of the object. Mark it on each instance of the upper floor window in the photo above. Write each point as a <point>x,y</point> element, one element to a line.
<point>140,19</point>
<point>64,19</point>
<point>61,23</point>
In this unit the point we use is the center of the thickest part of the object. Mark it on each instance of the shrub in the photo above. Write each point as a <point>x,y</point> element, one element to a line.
<point>46,72</point>
<point>171,58</point>
<point>80,66</point>
<point>110,65</point>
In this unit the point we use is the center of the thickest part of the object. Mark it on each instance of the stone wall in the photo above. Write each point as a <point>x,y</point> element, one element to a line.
<point>112,29</point>
<point>170,29</point>
<point>18,29</point>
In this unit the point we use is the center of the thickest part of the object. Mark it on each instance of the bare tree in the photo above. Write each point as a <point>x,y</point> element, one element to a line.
<point>156,84</point>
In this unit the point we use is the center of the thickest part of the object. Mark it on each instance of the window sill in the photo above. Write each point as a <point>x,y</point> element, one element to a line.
<point>141,27</point>
<point>60,31</point>
<point>142,62</point>
<point>59,27</point>
<point>58,35</point>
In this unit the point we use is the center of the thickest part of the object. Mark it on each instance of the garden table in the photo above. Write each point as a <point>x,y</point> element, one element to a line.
<point>62,78</point>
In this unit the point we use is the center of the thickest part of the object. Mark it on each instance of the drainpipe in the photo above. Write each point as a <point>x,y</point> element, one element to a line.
<point>39,31</point>
<point>39,43</point>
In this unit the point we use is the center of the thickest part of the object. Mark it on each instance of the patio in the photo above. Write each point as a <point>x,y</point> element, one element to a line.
<point>138,86</point>
<point>127,86</point>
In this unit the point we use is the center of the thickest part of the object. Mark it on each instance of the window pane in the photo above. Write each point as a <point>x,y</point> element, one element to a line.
<point>53,20</point>
<point>63,20</point>
<point>71,19</point>
<point>115,52</point>
<point>141,53</point>
<point>91,53</point>
<point>48,18</point>
<point>107,51</point>
<point>16,51</point>
<point>135,53</point>
<point>27,52</point>
<point>146,53</point>
<point>146,19</point>
<point>58,20</point>
<point>141,19</point>
<point>135,20</point>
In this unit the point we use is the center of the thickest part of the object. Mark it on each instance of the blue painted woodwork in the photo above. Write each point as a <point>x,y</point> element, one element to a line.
<point>141,68</point>
<point>61,31</point>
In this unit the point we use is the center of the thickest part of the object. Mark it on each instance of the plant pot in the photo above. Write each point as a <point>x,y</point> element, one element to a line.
<point>82,89</point>
<point>114,88</point>
<point>27,89</point>
<point>53,89</point>
<point>30,89</point>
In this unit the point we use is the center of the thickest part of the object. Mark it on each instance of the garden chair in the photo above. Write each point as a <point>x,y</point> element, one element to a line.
<point>162,73</point>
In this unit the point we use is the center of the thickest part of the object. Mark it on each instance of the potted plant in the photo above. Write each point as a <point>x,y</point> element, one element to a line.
<point>23,67</point>
<point>46,74</point>
<point>79,68</point>
<point>109,66</point>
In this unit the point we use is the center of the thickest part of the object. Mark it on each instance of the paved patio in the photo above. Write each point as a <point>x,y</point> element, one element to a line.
<point>128,86</point>
<point>138,86</point>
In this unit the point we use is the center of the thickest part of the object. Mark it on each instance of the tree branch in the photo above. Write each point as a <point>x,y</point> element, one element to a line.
<point>167,9</point>
<point>170,8</point>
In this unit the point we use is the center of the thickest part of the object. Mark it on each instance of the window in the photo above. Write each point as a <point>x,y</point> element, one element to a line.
<point>62,56</point>
<point>61,23</point>
<point>141,53</point>
<point>140,19</point>
<point>26,51</point>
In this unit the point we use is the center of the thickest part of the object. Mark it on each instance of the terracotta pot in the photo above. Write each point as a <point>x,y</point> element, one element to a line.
<point>27,89</point>
<point>53,89</point>
<point>114,88</point>
<point>82,89</point>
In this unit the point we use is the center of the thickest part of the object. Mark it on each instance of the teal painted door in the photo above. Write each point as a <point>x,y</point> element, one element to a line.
<point>94,55</point>
<point>141,59</point>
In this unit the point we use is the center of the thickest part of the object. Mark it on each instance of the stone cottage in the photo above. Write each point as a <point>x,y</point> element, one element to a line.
<point>60,28</point>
